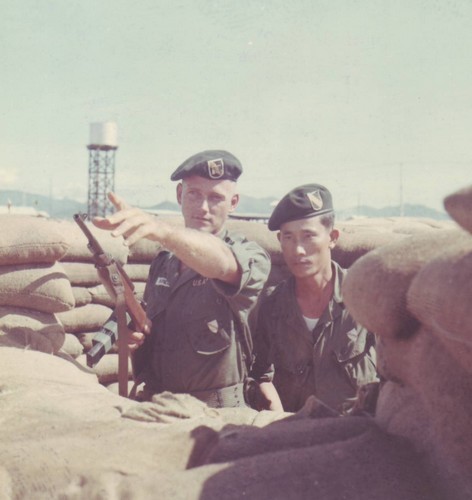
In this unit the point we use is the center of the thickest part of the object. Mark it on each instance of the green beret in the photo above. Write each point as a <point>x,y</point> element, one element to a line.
<point>302,202</point>
<point>215,165</point>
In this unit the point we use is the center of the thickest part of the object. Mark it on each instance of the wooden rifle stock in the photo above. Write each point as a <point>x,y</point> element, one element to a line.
<point>107,267</point>
<point>121,289</point>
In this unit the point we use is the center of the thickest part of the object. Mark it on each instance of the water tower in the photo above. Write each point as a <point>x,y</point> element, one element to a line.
<point>102,149</point>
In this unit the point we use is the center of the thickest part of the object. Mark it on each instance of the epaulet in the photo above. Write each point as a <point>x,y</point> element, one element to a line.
<point>232,238</point>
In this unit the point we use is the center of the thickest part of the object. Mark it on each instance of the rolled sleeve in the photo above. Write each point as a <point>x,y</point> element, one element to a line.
<point>254,264</point>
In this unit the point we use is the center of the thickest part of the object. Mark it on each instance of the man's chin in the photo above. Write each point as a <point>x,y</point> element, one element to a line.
<point>202,225</point>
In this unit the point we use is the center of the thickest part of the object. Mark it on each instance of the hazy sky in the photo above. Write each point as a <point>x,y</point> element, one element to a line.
<point>365,96</point>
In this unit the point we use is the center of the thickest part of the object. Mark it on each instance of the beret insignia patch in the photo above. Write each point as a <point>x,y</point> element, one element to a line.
<point>315,200</point>
<point>216,168</point>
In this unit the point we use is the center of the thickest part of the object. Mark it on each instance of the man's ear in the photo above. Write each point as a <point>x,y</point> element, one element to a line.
<point>178,190</point>
<point>234,202</point>
<point>278,235</point>
<point>333,235</point>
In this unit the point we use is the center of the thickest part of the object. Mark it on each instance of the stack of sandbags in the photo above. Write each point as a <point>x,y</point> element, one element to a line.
<point>415,294</point>
<point>60,425</point>
<point>359,236</point>
<point>33,284</point>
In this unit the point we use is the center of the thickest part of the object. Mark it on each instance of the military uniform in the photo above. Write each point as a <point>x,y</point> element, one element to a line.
<point>330,362</point>
<point>200,342</point>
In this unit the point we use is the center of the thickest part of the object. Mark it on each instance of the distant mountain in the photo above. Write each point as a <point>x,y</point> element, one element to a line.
<point>395,211</point>
<point>65,208</point>
<point>59,208</point>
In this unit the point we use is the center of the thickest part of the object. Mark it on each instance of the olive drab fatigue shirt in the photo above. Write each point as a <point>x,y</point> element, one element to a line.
<point>200,338</point>
<point>330,362</point>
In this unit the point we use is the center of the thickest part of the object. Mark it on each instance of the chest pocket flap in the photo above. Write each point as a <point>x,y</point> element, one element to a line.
<point>352,345</point>
<point>208,338</point>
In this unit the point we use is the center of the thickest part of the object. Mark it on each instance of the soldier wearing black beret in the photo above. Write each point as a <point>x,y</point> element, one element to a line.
<point>306,341</point>
<point>200,290</point>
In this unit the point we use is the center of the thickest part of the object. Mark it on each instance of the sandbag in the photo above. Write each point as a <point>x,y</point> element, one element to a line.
<point>375,287</point>
<point>440,297</point>
<point>107,368</point>
<point>370,466</point>
<point>459,206</point>
<point>72,346</point>
<point>78,250</point>
<point>353,245</point>
<point>29,329</point>
<point>86,318</point>
<point>42,287</point>
<point>26,239</point>
<point>81,295</point>
<point>99,294</point>
<point>137,272</point>
<point>82,274</point>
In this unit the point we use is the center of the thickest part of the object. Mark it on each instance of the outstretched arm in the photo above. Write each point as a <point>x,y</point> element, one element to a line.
<point>203,252</point>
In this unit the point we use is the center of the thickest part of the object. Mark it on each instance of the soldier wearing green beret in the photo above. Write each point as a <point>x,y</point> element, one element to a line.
<point>200,290</point>
<point>306,343</point>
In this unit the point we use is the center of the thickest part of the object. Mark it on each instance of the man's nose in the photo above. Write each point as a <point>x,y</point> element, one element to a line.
<point>299,249</point>
<point>204,205</point>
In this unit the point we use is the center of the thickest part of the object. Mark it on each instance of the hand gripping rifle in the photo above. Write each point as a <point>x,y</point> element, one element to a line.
<point>121,289</point>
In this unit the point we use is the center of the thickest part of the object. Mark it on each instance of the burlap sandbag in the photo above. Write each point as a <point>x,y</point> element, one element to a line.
<point>136,271</point>
<point>99,295</point>
<point>58,424</point>
<point>6,487</point>
<point>459,207</point>
<point>84,274</point>
<point>72,346</point>
<point>42,287</point>
<point>81,273</point>
<point>353,245</point>
<point>26,239</point>
<point>29,329</point>
<point>370,466</point>
<point>106,369</point>
<point>82,295</point>
<point>84,318</point>
<point>78,250</point>
<point>400,411</point>
<point>440,297</point>
<point>444,387</point>
<point>376,285</point>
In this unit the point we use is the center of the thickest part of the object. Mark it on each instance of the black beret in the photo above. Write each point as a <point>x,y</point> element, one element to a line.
<point>214,164</point>
<point>302,202</point>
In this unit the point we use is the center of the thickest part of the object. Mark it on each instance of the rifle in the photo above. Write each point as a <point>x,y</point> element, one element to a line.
<point>121,289</point>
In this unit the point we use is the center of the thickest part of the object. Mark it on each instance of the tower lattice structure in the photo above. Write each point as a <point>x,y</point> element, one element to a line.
<point>101,179</point>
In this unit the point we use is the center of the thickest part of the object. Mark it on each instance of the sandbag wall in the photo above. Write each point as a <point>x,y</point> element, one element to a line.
<point>51,298</point>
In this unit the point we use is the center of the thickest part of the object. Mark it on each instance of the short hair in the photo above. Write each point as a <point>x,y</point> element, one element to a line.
<point>327,220</point>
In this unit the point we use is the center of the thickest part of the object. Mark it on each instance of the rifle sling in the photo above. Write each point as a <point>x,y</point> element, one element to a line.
<point>116,281</point>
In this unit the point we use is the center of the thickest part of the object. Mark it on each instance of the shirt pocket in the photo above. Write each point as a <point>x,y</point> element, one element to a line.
<point>354,358</point>
<point>353,345</point>
<point>207,337</point>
